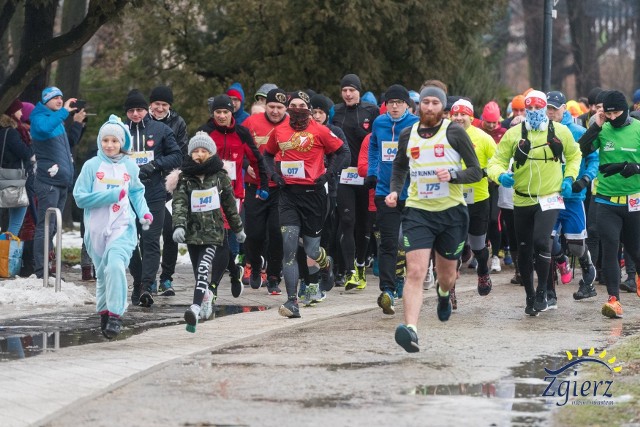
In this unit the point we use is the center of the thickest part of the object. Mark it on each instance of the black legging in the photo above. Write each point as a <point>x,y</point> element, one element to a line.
<point>616,223</point>
<point>203,260</point>
<point>534,244</point>
<point>353,208</point>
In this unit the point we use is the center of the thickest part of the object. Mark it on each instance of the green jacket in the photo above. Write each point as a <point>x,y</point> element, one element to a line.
<point>204,228</point>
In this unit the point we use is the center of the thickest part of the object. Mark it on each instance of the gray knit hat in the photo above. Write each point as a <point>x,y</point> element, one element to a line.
<point>264,90</point>
<point>202,140</point>
<point>436,92</point>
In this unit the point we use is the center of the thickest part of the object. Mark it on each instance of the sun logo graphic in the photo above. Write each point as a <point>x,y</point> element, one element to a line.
<point>564,384</point>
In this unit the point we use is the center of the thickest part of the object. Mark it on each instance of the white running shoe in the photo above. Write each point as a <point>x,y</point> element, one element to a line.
<point>495,264</point>
<point>207,305</point>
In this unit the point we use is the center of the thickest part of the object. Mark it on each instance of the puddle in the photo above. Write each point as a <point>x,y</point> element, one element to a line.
<point>519,396</point>
<point>32,336</point>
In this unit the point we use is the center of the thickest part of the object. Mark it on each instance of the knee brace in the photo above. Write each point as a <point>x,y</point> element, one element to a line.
<point>477,243</point>
<point>576,247</point>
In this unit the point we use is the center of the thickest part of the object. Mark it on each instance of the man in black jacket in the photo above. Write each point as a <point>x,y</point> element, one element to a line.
<point>155,150</point>
<point>161,110</point>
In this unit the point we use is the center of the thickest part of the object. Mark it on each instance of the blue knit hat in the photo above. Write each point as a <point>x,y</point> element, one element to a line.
<point>49,93</point>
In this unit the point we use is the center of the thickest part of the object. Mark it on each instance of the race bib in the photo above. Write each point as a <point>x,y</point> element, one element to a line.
<point>230,167</point>
<point>552,201</point>
<point>468,195</point>
<point>634,202</point>
<point>350,176</point>
<point>389,151</point>
<point>142,157</point>
<point>432,188</point>
<point>292,169</point>
<point>205,200</point>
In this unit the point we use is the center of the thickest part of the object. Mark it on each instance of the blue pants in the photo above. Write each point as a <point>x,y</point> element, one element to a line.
<point>49,196</point>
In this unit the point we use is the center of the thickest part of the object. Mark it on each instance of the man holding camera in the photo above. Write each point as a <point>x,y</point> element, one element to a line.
<point>156,152</point>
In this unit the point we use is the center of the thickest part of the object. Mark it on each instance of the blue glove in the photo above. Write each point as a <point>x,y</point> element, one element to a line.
<point>567,188</point>
<point>506,179</point>
<point>262,194</point>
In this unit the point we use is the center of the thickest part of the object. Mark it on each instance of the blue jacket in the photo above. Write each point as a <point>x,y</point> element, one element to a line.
<point>152,135</point>
<point>239,115</point>
<point>589,164</point>
<point>381,155</point>
<point>51,145</point>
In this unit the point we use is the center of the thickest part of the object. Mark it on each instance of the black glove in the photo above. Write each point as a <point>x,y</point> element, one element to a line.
<point>612,168</point>
<point>580,184</point>
<point>147,170</point>
<point>278,180</point>
<point>371,181</point>
<point>321,180</point>
<point>630,169</point>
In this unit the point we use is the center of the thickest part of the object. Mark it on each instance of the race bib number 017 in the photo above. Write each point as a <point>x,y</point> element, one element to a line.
<point>293,169</point>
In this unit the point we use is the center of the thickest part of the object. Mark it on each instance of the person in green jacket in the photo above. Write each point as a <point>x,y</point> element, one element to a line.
<point>202,199</point>
<point>536,147</point>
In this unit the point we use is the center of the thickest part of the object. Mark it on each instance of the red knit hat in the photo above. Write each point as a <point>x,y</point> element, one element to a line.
<point>491,112</point>
<point>235,93</point>
<point>15,106</point>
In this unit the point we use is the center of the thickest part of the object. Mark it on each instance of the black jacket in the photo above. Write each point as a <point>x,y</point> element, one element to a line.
<point>356,122</point>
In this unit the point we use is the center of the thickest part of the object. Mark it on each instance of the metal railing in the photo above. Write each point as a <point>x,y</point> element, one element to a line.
<point>45,275</point>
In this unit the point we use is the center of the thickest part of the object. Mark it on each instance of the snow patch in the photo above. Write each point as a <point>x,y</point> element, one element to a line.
<point>29,291</point>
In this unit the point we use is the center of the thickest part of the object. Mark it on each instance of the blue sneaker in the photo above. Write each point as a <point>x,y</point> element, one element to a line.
<point>166,289</point>
<point>302,292</point>
<point>407,339</point>
<point>399,287</point>
<point>376,267</point>
<point>508,260</point>
<point>444,306</point>
<point>386,302</point>
<point>152,288</point>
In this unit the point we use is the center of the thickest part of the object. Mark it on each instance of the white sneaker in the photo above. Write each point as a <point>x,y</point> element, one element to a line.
<point>495,264</point>
<point>207,305</point>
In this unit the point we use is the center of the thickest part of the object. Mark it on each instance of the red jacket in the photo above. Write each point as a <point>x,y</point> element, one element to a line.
<point>260,129</point>
<point>363,165</point>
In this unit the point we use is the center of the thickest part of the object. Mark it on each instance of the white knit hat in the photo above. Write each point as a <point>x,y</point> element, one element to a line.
<point>115,127</point>
<point>202,140</point>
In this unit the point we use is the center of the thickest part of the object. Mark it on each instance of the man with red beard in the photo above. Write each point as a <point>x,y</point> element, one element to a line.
<point>261,216</point>
<point>302,144</point>
<point>432,152</point>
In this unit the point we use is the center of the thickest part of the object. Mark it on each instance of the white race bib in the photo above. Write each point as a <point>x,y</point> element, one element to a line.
<point>205,200</point>
<point>552,201</point>
<point>293,169</point>
<point>634,202</point>
<point>467,192</point>
<point>350,176</point>
<point>389,151</point>
<point>230,167</point>
<point>142,157</point>
<point>432,188</point>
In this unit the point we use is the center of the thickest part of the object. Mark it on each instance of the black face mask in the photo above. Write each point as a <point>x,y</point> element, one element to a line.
<point>299,118</point>
<point>620,120</point>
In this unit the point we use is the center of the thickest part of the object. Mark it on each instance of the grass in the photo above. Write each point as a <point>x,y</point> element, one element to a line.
<point>71,255</point>
<point>626,382</point>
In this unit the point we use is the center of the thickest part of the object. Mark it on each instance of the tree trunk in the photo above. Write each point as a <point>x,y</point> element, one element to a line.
<point>533,36</point>
<point>584,46</point>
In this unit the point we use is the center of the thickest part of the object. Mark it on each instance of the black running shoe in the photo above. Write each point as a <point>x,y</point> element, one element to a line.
<point>289,309</point>
<point>529,308</point>
<point>628,285</point>
<point>113,327</point>
<point>272,286</point>
<point>255,279</point>
<point>146,300</point>
<point>407,339</point>
<point>444,306</point>
<point>327,278</point>
<point>484,284</point>
<point>236,282</point>
<point>104,317</point>
<point>135,293</point>
<point>585,291</point>
<point>541,303</point>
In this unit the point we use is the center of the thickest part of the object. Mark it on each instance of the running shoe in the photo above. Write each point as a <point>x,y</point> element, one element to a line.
<point>612,308</point>
<point>113,327</point>
<point>191,317</point>
<point>386,302</point>
<point>272,286</point>
<point>495,264</point>
<point>565,271</point>
<point>146,300</point>
<point>289,309</point>
<point>319,294</point>
<point>584,291</point>
<point>152,288</point>
<point>327,278</point>
<point>444,306</point>
<point>166,289</point>
<point>552,303</point>
<point>407,338</point>
<point>352,281</point>
<point>589,274</point>
<point>516,279</point>
<point>508,260</point>
<point>302,292</point>
<point>529,307</point>
<point>207,305</point>
<point>541,303</point>
<point>628,285</point>
<point>311,293</point>
<point>236,284</point>
<point>484,284</point>
<point>340,280</point>
<point>255,279</point>
<point>246,275</point>
<point>362,278</point>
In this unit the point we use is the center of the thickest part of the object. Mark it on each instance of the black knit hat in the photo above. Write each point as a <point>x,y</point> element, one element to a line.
<point>277,95</point>
<point>161,93</point>
<point>397,92</point>
<point>220,102</point>
<point>614,101</point>
<point>593,95</point>
<point>301,95</point>
<point>351,80</point>
<point>135,99</point>
<point>321,102</point>
<point>600,97</point>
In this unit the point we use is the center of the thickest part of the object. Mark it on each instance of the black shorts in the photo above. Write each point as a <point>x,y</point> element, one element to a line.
<point>304,206</point>
<point>479,217</point>
<point>444,231</point>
